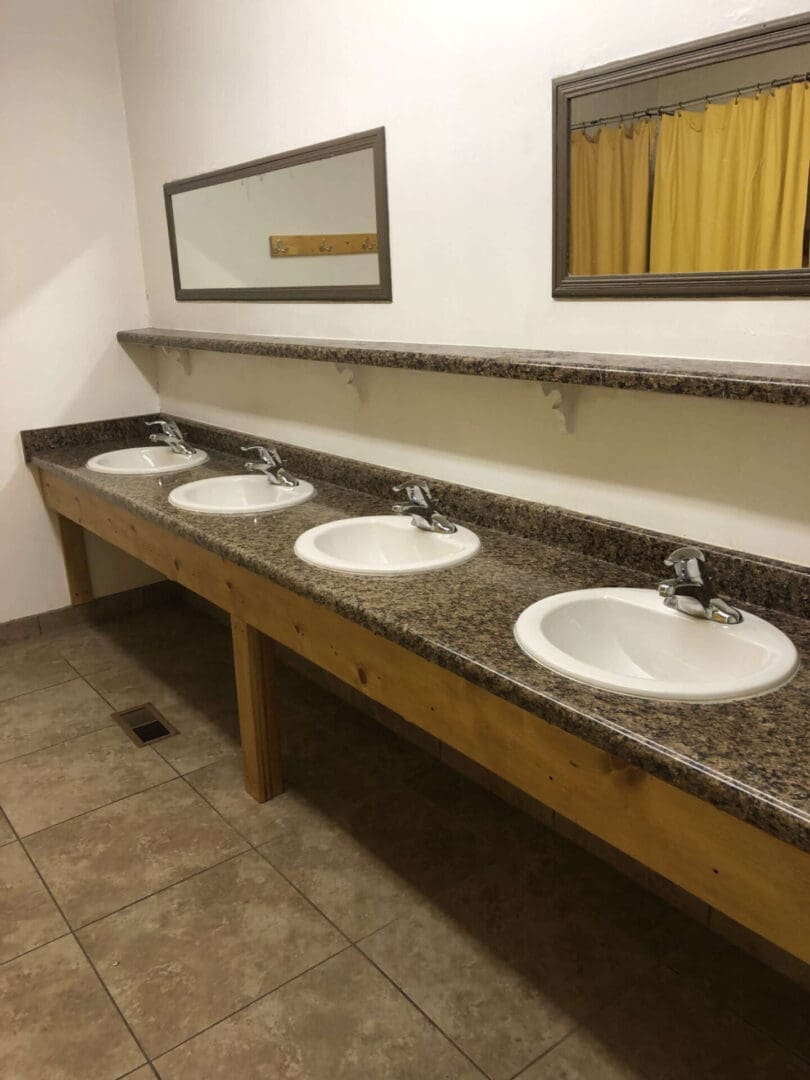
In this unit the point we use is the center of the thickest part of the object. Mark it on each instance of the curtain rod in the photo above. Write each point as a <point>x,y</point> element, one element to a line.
<point>706,98</point>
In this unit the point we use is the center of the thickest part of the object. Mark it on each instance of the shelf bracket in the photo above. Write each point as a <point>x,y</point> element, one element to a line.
<point>355,377</point>
<point>559,401</point>
<point>181,356</point>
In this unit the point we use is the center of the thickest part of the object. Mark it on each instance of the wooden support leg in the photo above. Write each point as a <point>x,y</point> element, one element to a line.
<point>254,663</point>
<point>75,556</point>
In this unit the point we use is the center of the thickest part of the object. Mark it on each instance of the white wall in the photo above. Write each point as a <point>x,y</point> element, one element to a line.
<point>463,89</point>
<point>70,275</point>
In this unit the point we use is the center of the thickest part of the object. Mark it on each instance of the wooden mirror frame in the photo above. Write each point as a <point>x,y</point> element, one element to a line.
<point>365,140</point>
<point>756,39</point>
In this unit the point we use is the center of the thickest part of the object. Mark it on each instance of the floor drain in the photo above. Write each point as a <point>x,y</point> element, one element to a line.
<point>144,724</point>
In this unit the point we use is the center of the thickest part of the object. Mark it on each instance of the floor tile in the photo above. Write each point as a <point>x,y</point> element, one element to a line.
<point>6,832</point>
<point>31,665</point>
<point>45,717</point>
<point>223,785</point>
<point>341,1021</point>
<point>197,698</point>
<point>664,1030</point>
<point>187,957</point>
<point>120,853</point>
<point>28,916</point>
<point>756,947</point>
<point>149,638</point>
<point>322,732</point>
<point>762,997</point>
<point>205,733</point>
<point>57,1022</point>
<point>90,648</point>
<point>146,1072</point>
<point>129,682</point>
<point>17,630</point>
<point>506,967</point>
<point>377,863</point>
<point>78,775</point>
<point>477,809</point>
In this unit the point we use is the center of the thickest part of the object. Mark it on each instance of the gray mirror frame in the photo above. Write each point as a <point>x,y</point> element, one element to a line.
<point>364,140</point>
<point>762,38</point>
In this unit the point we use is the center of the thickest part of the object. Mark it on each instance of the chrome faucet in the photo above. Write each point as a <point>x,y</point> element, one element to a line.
<point>691,590</point>
<point>170,435</point>
<point>421,507</point>
<point>270,465</point>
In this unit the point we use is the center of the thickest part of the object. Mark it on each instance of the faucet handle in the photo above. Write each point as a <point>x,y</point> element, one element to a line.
<point>689,564</point>
<point>166,426</point>
<point>417,491</point>
<point>270,456</point>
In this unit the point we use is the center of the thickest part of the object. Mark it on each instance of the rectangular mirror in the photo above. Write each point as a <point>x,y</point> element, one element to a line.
<point>311,224</point>
<point>685,172</point>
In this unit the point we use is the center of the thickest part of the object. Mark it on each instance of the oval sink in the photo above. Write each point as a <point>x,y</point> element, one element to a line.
<point>241,494</point>
<point>628,641</point>
<point>145,461</point>
<point>387,544</point>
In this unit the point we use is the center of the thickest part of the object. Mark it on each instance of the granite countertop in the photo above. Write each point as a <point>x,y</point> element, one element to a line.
<point>749,758</point>
<point>779,384</point>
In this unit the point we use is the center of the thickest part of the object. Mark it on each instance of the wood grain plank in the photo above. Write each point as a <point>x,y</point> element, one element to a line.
<point>74,555</point>
<point>254,666</point>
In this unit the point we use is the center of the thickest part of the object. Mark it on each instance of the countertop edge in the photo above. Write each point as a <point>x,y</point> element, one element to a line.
<point>780,384</point>
<point>747,803</point>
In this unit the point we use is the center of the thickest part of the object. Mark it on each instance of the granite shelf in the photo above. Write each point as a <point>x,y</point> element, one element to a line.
<point>777,384</point>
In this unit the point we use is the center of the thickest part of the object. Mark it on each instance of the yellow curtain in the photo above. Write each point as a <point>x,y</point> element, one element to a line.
<point>610,200</point>
<point>730,189</point>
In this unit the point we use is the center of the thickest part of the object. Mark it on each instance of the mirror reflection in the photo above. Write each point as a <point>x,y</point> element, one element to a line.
<point>704,170</point>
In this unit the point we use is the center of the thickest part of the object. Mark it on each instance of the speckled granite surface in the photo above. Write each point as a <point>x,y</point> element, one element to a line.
<point>749,758</point>
<point>780,384</point>
<point>745,578</point>
<point>122,429</point>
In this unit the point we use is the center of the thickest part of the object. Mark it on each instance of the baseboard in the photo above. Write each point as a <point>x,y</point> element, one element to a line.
<point>95,611</point>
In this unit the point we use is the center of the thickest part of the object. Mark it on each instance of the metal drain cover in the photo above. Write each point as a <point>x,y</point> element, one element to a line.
<point>144,724</point>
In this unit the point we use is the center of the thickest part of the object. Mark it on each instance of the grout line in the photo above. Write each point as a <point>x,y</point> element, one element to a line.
<point>48,686</point>
<point>92,965</point>
<point>549,1049</point>
<point>420,1010</point>
<point>255,1001</point>
<point>109,705</point>
<point>35,948</point>
<point>40,689</point>
<point>619,995</point>
<point>115,1005</point>
<point>157,892</point>
<point>304,896</point>
<point>147,1065</point>
<point>59,742</point>
<point>101,806</point>
<point>692,979</point>
<point>255,847</point>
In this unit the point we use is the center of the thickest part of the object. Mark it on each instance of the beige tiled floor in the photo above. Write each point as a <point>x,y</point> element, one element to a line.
<point>384,918</point>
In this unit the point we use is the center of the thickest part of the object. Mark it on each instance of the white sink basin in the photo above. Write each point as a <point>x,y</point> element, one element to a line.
<point>387,544</point>
<point>628,641</point>
<point>241,494</point>
<point>145,461</point>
